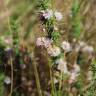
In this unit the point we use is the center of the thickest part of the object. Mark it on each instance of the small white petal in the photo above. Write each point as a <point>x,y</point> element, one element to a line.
<point>76,68</point>
<point>89,75</point>
<point>55,80</point>
<point>66,46</point>
<point>58,16</point>
<point>7,49</point>
<point>73,76</point>
<point>62,66</point>
<point>55,28</point>
<point>88,49</point>
<point>39,41</point>
<point>48,14</point>
<point>53,51</point>
<point>7,80</point>
<point>43,41</point>
<point>82,44</point>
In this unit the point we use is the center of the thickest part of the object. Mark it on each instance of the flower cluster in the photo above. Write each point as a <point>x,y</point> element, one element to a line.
<point>84,47</point>
<point>53,51</point>
<point>66,46</point>
<point>48,14</point>
<point>58,52</point>
<point>74,73</point>
<point>62,66</point>
<point>48,44</point>
<point>43,41</point>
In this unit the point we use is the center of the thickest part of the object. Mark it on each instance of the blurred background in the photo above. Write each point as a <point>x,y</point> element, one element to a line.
<point>29,26</point>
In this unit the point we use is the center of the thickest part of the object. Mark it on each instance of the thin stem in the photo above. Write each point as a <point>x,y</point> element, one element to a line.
<point>60,83</point>
<point>51,77</point>
<point>11,89</point>
<point>37,78</point>
<point>52,84</point>
<point>52,4</point>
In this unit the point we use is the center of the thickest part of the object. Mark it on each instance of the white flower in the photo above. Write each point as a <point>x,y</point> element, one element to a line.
<point>40,41</point>
<point>7,80</point>
<point>60,61</point>
<point>58,15</point>
<point>66,46</point>
<point>74,73</point>
<point>55,80</point>
<point>88,49</point>
<point>62,65</point>
<point>44,29</point>
<point>82,44</point>
<point>76,68</point>
<point>73,76</point>
<point>8,48</point>
<point>89,75</point>
<point>53,51</point>
<point>47,14</point>
<point>55,28</point>
<point>6,39</point>
<point>47,42</point>
<point>43,41</point>
<point>77,48</point>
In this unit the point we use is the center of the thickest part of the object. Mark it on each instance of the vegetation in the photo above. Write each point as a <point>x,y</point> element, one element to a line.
<point>46,49</point>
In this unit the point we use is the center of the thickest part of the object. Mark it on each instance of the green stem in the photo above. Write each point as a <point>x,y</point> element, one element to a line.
<point>51,78</point>
<point>37,78</point>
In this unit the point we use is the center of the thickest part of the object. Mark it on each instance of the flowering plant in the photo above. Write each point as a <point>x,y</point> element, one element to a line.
<point>55,63</point>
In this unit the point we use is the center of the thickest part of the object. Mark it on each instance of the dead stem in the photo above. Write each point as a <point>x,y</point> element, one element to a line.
<point>52,82</point>
<point>11,89</point>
